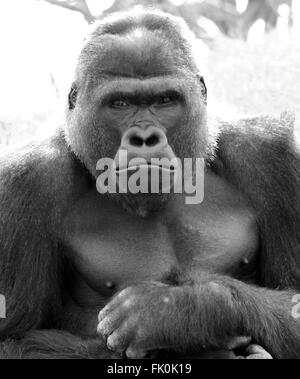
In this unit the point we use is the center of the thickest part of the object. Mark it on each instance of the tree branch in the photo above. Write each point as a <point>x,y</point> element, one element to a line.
<point>77,6</point>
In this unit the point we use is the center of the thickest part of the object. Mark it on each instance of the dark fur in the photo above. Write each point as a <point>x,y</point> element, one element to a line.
<point>40,182</point>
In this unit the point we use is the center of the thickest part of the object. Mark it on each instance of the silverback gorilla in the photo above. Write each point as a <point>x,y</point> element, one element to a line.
<point>90,275</point>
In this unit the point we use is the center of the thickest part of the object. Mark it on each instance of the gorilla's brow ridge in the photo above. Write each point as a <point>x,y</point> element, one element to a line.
<point>120,74</point>
<point>100,88</point>
<point>141,96</point>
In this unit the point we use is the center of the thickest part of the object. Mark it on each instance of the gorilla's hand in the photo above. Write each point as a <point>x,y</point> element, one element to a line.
<point>135,321</point>
<point>152,316</point>
<point>256,352</point>
<point>247,348</point>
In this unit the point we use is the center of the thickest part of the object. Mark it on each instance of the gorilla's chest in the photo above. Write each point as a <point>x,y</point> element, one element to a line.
<point>109,246</point>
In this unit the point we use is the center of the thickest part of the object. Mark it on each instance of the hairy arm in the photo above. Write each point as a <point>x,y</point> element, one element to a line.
<point>224,306</point>
<point>36,183</point>
<point>53,344</point>
<point>204,315</point>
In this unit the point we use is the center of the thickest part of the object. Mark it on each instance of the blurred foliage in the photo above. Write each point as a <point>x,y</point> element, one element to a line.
<point>223,13</point>
<point>22,128</point>
<point>254,79</point>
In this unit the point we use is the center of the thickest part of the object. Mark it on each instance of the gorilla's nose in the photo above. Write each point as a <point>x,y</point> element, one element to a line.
<point>151,139</point>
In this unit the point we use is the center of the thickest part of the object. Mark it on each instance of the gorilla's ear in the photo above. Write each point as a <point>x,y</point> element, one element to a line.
<point>73,96</point>
<point>204,88</point>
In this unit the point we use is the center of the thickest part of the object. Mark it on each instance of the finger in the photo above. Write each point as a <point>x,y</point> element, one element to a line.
<point>118,341</point>
<point>257,352</point>
<point>109,308</point>
<point>132,353</point>
<point>124,299</point>
<point>141,347</point>
<point>260,356</point>
<point>238,342</point>
<point>109,324</point>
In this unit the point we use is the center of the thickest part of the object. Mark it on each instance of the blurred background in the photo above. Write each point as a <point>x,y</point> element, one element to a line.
<point>250,51</point>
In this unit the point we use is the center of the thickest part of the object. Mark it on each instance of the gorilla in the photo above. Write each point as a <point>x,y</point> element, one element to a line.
<point>88,274</point>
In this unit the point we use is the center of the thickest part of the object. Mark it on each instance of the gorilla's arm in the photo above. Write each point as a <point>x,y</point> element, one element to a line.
<point>260,157</point>
<point>206,314</point>
<point>229,307</point>
<point>36,184</point>
<point>53,344</point>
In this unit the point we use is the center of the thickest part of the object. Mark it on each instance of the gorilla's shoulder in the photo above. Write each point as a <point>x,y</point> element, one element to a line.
<point>43,169</point>
<point>257,141</point>
<point>37,159</point>
<point>260,156</point>
<point>257,132</point>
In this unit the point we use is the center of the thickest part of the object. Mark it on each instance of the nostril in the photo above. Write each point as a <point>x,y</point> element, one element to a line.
<point>152,141</point>
<point>136,141</point>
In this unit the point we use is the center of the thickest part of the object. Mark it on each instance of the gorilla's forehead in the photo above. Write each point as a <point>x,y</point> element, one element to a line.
<point>137,54</point>
<point>146,87</point>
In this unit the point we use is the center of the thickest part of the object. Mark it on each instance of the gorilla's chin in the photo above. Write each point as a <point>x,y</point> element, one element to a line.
<point>141,204</point>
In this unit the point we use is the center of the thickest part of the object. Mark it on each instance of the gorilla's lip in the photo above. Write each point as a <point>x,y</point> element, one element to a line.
<point>148,165</point>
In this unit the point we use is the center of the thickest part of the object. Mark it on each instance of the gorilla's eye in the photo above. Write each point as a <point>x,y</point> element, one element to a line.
<point>166,100</point>
<point>73,97</point>
<point>119,104</point>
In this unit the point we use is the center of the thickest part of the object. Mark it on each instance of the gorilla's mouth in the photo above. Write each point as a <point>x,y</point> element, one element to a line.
<point>149,166</point>
<point>146,177</point>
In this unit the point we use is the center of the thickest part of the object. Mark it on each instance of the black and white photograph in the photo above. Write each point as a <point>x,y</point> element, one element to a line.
<point>149,182</point>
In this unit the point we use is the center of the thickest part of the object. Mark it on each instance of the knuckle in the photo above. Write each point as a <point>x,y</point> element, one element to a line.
<point>131,324</point>
<point>259,357</point>
<point>128,303</point>
<point>116,342</point>
<point>136,290</point>
<point>100,314</point>
<point>104,328</point>
<point>258,352</point>
<point>132,353</point>
<point>127,292</point>
<point>103,313</point>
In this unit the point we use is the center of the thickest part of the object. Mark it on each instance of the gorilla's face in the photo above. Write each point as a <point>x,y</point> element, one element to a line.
<point>134,98</point>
